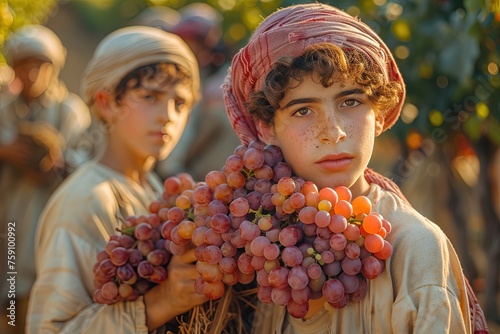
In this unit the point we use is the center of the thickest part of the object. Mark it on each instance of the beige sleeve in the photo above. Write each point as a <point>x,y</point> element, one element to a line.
<point>427,309</point>
<point>67,242</point>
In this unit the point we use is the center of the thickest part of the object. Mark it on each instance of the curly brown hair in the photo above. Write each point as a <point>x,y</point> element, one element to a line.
<point>329,63</point>
<point>161,73</point>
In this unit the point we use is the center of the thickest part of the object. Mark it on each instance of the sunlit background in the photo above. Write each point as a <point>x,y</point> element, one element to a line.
<point>445,150</point>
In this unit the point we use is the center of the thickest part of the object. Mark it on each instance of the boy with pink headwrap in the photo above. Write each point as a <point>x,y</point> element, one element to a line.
<point>322,85</point>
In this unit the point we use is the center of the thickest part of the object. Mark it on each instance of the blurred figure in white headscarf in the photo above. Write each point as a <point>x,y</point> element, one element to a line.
<point>41,125</point>
<point>208,139</point>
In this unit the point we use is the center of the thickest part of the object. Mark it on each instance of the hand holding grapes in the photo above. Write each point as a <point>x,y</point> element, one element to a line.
<point>176,294</point>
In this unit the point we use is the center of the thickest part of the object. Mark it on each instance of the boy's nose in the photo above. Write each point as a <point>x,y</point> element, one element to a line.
<point>331,129</point>
<point>168,114</point>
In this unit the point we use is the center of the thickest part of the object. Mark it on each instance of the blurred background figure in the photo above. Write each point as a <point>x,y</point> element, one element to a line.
<point>208,139</point>
<point>161,17</point>
<point>41,124</point>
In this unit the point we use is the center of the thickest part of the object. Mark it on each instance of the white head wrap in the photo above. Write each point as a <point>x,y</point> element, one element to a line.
<point>35,41</point>
<point>128,48</point>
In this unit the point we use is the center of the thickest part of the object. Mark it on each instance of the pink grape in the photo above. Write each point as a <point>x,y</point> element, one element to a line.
<point>360,292</point>
<point>220,222</point>
<point>213,290</point>
<point>351,266</point>
<point>245,264</point>
<point>291,256</point>
<point>333,290</point>
<point>371,267</point>
<point>297,278</point>
<point>239,207</point>
<point>258,244</point>
<point>231,279</point>
<point>350,283</point>
<point>159,275</point>
<point>228,265</point>
<point>352,250</point>
<point>109,290</point>
<point>278,277</point>
<point>290,235</point>
<point>262,278</point>
<point>301,296</point>
<point>253,158</point>
<point>172,185</point>
<point>264,294</point>
<point>212,254</point>
<point>332,269</point>
<point>314,271</point>
<point>126,241</point>
<point>119,256</point>
<point>214,178</point>
<point>175,214</point>
<point>234,163</point>
<point>281,296</point>
<point>145,269</point>
<point>307,214</point>
<point>211,273</point>
<point>271,251</point>
<point>249,230</point>
<point>297,310</point>
<point>228,250</point>
<point>338,241</point>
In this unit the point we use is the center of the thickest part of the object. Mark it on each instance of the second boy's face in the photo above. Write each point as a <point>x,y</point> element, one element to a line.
<point>152,119</point>
<point>326,134</point>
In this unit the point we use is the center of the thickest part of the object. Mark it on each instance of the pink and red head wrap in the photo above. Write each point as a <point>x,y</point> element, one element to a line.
<point>288,32</point>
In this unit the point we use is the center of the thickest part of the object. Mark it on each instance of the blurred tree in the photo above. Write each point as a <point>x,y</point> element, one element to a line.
<point>16,13</point>
<point>449,54</point>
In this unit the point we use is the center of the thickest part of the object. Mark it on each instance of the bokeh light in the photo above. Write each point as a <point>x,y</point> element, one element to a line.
<point>442,81</point>
<point>492,68</point>
<point>401,29</point>
<point>414,140</point>
<point>409,113</point>
<point>482,110</point>
<point>436,117</point>
<point>402,52</point>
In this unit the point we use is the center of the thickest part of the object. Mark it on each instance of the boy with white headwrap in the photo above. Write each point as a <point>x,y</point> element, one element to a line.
<point>41,127</point>
<point>141,83</point>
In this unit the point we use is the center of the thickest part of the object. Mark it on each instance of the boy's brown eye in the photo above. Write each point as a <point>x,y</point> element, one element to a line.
<point>302,112</point>
<point>351,103</point>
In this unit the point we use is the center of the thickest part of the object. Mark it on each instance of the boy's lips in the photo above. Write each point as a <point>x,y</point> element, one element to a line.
<point>334,162</point>
<point>159,135</point>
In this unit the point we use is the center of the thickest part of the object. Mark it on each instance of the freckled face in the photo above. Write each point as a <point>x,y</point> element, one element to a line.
<point>326,134</point>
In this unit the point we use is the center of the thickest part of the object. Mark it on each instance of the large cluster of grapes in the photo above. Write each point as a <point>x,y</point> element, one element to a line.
<point>253,220</point>
<point>135,260</point>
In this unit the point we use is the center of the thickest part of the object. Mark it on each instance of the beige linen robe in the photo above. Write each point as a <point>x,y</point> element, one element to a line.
<point>422,289</point>
<point>74,227</point>
<point>21,199</point>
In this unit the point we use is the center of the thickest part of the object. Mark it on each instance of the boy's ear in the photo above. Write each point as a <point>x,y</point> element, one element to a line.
<point>379,126</point>
<point>266,132</point>
<point>103,101</point>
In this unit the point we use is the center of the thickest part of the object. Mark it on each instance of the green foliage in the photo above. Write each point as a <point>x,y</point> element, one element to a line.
<point>16,13</point>
<point>241,17</point>
<point>448,52</point>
